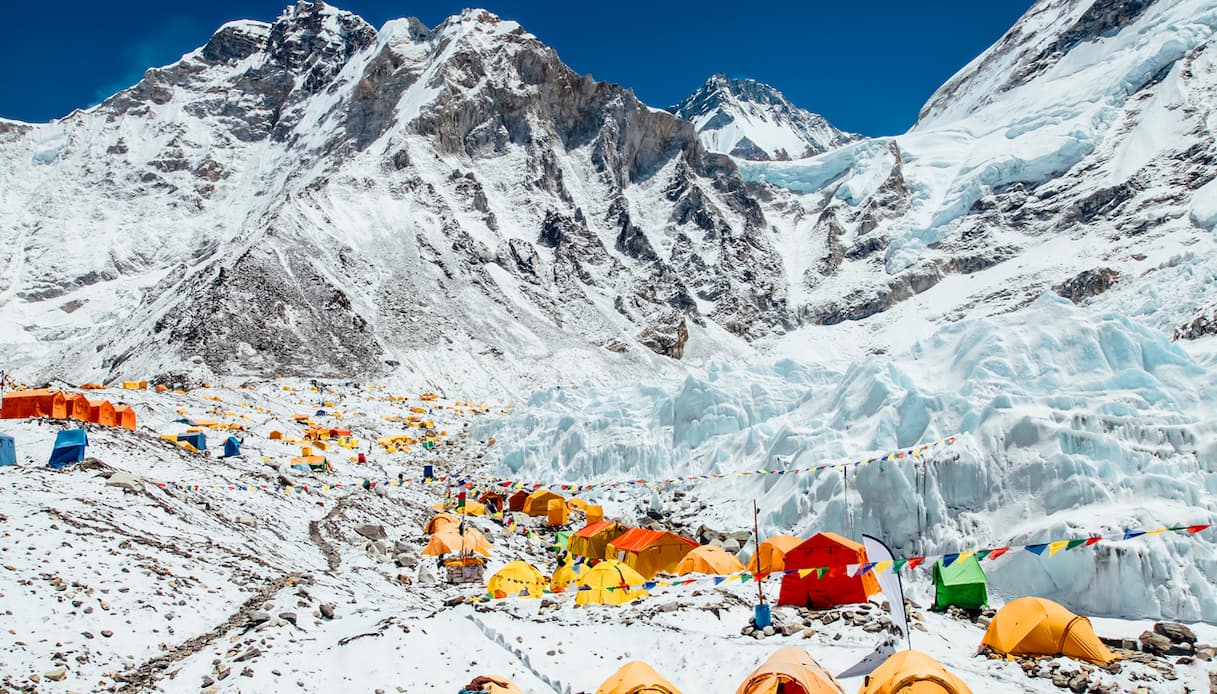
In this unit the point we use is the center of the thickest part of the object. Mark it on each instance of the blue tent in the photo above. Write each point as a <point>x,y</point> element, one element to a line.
<point>8,451</point>
<point>69,448</point>
<point>197,439</point>
<point>320,413</point>
<point>232,447</point>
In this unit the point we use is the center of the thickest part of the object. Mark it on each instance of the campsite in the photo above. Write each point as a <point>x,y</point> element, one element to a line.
<point>152,564</point>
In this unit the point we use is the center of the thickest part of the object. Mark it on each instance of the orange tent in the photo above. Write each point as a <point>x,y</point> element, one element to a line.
<point>791,670</point>
<point>102,412</point>
<point>1035,626</point>
<point>77,406</point>
<point>20,404</point>
<point>555,513</point>
<point>836,586</point>
<point>126,417</point>
<point>709,559</point>
<point>594,513</point>
<point>770,555</point>
<point>650,551</point>
<point>516,501</point>
<point>57,403</point>
<point>912,672</point>
<point>440,522</point>
<point>448,541</point>
<point>537,503</point>
<point>637,677</point>
<point>276,435</point>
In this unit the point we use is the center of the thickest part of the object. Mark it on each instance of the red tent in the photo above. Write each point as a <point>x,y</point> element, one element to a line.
<point>836,586</point>
<point>516,501</point>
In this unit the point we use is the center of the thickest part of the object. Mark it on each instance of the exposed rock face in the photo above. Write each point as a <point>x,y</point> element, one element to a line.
<point>1087,284</point>
<point>319,191</point>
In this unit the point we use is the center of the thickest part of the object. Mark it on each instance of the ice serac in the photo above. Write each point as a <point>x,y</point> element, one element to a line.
<point>315,196</point>
<point>752,120</point>
<point>1071,423</point>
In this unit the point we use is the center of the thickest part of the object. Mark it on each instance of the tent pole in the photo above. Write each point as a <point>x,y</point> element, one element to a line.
<point>756,533</point>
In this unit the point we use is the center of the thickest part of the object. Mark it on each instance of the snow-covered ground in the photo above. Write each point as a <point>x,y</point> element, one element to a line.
<point>138,590</point>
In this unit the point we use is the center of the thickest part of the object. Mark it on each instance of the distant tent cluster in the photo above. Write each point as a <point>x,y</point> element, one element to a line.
<point>25,404</point>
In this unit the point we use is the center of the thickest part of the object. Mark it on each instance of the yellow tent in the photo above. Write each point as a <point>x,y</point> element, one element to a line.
<point>576,503</point>
<point>565,575</point>
<point>708,559</point>
<point>592,540</point>
<point>770,556</point>
<point>650,551</point>
<point>636,677</point>
<point>517,576</point>
<point>593,587</point>
<point>441,521</point>
<point>447,541</point>
<point>912,672</point>
<point>537,503</point>
<point>1035,626</point>
<point>791,669</point>
<point>474,508</point>
<point>594,513</point>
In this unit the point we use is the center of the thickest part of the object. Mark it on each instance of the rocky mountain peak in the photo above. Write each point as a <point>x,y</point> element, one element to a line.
<point>753,120</point>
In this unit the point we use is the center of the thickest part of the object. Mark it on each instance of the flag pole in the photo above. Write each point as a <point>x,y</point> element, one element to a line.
<point>756,533</point>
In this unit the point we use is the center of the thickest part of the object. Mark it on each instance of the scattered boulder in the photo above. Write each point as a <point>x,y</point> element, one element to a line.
<point>1154,643</point>
<point>247,520</point>
<point>327,610</point>
<point>126,481</point>
<point>56,675</point>
<point>1177,633</point>
<point>372,532</point>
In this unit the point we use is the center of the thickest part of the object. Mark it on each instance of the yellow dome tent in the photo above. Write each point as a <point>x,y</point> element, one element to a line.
<point>708,559</point>
<point>515,577</point>
<point>770,556</point>
<point>912,672</point>
<point>566,575</point>
<point>537,503</point>
<point>790,669</point>
<point>593,587</point>
<point>636,677</point>
<point>1036,626</point>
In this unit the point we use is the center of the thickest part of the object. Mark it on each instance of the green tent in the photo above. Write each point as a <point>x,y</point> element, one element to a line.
<point>561,538</point>
<point>961,584</point>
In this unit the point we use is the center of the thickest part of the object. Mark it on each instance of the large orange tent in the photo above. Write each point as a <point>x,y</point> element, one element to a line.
<point>770,555</point>
<point>449,541</point>
<point>125,416</point>
<point>790,670</point>
<point>650,551</point>
<point>592,540</point>
<point>20,404</point>
<point>102,412</point>
<point>709,559</point>
<point>1035,626</point>
<point>636,677</point>
<point>537,503</point>
<point>912,672</point>
<point>609,583</point>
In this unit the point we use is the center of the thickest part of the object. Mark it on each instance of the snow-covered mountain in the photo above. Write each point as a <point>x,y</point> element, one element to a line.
<point>752,120</point>
<point>316,196</point>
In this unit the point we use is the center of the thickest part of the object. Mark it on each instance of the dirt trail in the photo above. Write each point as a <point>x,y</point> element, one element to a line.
<point>145,675</point>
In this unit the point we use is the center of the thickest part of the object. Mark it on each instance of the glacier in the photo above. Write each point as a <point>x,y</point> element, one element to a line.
<point>1070,423</point>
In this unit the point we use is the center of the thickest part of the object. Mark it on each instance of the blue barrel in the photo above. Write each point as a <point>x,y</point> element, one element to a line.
<point>428,472</point>
<point>762,617</point>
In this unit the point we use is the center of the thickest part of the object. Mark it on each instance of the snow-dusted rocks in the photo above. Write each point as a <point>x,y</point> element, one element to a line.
<point>752,120</point>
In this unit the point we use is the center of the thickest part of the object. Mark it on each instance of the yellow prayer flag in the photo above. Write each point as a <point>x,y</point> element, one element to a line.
<point>1054,547</point>
<point>881,567</point>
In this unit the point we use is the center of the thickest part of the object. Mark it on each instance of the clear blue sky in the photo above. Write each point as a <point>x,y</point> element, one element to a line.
<point>867,66</point>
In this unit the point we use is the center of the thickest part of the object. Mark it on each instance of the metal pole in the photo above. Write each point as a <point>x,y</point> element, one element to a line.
<point>756,533</point>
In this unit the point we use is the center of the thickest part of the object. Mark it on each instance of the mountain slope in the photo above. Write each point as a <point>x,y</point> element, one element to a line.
<point>314,195</point>
<point>752,120</point>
